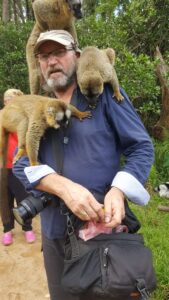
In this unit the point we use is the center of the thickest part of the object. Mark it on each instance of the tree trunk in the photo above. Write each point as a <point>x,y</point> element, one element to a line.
<point>161,129</point>
<point>15,11</point>
<point>5,11</point>
<point>20,11</point>
<point>29,11</point>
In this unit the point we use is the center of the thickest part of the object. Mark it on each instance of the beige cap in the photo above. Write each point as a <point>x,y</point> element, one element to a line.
<point>60,36</point>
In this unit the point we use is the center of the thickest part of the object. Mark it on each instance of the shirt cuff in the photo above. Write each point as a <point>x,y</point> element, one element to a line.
<point>131,187</point>
<point>36,173</point>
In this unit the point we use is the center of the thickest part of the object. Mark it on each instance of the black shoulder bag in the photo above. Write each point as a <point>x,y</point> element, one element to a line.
<point>110,266</point>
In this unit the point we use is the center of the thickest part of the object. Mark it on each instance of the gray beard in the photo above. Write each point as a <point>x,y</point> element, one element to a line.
<point>52,85</point>
<point>61,83</point>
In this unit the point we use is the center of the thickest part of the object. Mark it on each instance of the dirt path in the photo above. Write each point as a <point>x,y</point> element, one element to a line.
<point>22,275</point>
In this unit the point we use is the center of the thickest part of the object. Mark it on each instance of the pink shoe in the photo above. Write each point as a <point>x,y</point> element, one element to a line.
<point>7,238</point>
<point>30,236</point>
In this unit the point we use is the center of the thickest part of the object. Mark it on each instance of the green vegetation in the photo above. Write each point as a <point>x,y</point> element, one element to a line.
<point>13,67</point>
<point>155,223</point>
<point>155,229</point>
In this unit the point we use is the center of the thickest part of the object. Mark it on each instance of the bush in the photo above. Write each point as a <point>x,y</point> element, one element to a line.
<point>13,66</point>
<point>162,160</point>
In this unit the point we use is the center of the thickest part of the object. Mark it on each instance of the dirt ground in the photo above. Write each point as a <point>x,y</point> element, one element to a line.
<point>22,274</point>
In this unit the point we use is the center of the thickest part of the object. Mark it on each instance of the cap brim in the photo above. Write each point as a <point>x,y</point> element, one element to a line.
<point>58,40</point>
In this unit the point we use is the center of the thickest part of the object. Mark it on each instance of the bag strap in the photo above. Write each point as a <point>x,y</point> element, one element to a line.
<point>57,151</point>
<point>75,251</point>
<point>141,287</point>
<point>60,138</point>
<point>57,145</point>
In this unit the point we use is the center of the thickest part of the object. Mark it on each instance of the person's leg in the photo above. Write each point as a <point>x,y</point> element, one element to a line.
<point>6,213</point>
<point>20,194</point>
<point>8,226</point>
<point>53,260</point>
<point>6,209</point>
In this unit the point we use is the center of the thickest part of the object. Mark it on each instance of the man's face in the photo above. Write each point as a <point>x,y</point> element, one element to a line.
<point>57,64</point>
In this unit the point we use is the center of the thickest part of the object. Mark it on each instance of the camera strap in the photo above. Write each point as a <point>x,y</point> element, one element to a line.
<point>60,138</point>
<point>57,150</point>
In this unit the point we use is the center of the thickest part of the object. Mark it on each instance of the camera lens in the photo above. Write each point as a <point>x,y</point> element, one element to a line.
<point>19,214</point>
<point>29,208</point>
<point>26,209</point>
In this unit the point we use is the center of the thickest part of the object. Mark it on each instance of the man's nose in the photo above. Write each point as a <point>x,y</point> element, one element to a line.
<point>52,60</point>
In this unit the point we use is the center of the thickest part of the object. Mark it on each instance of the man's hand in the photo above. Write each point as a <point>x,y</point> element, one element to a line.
<point>82,203</point>
<point>114,210</point>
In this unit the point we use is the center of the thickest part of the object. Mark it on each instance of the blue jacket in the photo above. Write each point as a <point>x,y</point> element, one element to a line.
<point>92,155</point>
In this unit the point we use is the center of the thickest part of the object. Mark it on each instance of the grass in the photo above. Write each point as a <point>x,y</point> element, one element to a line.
<point>155,227</point>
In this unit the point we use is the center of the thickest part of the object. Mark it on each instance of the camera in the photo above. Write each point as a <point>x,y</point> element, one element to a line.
<point>31,206</point>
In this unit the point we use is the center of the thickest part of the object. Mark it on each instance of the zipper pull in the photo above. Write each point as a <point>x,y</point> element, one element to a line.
<point>105,253</point>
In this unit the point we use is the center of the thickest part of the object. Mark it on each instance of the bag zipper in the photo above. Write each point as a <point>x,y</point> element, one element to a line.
<point>105,257</point>
<point>104,269</point>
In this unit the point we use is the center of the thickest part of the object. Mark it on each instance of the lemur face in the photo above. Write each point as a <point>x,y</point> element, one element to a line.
<point>76,6</point>
<point>57,115</point>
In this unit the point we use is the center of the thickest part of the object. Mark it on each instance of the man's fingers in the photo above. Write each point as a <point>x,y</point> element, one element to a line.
<point>116,217</point>
<point>83,215</point>
<point>100,213</point>
<point>107,211</point>
<point>86,208</point>
<point>115,220</point>
<point>91,213</point>
<point>94,210</point>
<point>98,210</point>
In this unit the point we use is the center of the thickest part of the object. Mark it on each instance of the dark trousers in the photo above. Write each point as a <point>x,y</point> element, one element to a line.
<point>53,259</point>
<point>15,191</point>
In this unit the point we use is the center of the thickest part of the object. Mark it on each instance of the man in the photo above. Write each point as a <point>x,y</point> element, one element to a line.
<point>92,150</point>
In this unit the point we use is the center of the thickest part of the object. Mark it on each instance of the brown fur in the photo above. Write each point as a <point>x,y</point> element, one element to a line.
<point>49,15</point>
<point>8,97</point>
<point>30,116</point>
<point>5,208</point>
<point>96,67</point>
